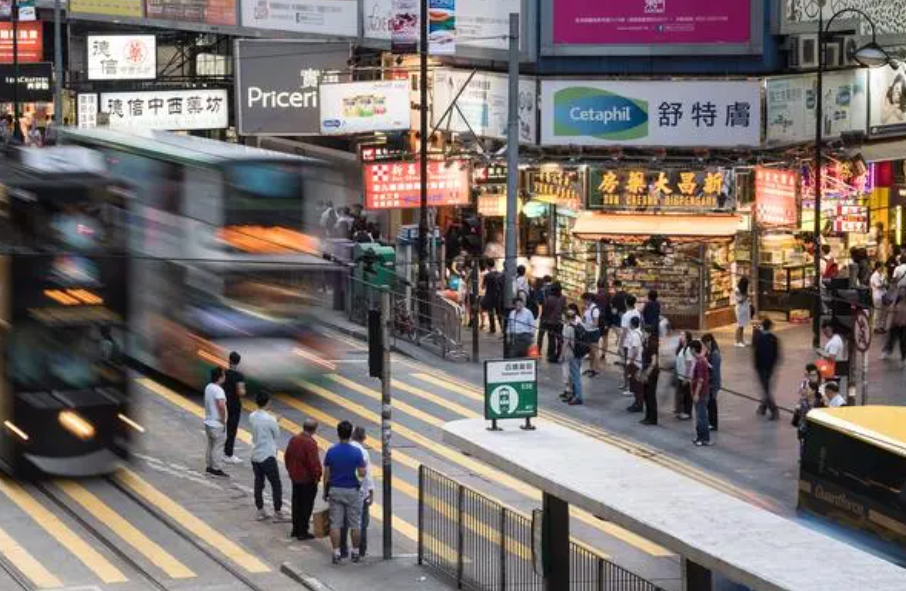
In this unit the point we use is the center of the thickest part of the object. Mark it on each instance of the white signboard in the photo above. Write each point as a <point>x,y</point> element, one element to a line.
<point>673,113</point>
<point>790,110</point>
<point>483,104</point>
<point>197,108</point>
<point>88,110</point>
<point>122,57</point>
<point>887,115</point>
<point>322,17</point>
<point>361,107</point>
<point>377,19</point>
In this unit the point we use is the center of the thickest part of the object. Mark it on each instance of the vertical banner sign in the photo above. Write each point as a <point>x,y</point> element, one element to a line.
<point>775,197</point>
<point>404,26</point>
<point>6,9</point>
<point>510,389</point>
<point>442,27</point>
<point>27,11</point>
<point>88,110</point>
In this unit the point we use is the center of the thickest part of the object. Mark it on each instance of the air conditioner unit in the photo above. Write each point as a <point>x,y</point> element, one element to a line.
<point>804,52</point>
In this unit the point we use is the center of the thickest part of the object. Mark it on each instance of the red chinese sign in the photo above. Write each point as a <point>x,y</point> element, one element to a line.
<point>30,46</point>
<point>392,185</point>
<point>775,197</point>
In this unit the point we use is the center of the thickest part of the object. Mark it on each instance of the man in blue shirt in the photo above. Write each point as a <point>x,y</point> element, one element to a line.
<point>344,467</point>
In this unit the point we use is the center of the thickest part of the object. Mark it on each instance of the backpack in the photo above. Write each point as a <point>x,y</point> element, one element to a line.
<point>581,347</point>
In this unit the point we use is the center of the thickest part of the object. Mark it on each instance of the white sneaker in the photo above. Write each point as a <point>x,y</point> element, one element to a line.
<point>281,517</point>
<point>741,345</point>
<point>628,393</point>
<point>885,355</point>
<point>262,515</point>
<point>232,460</point>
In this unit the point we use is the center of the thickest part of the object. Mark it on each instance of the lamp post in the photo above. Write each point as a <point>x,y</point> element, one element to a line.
<point>870,55</point>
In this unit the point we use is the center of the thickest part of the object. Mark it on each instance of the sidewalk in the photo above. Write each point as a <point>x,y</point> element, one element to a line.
<point>399,574</point>
<point>753,454</point>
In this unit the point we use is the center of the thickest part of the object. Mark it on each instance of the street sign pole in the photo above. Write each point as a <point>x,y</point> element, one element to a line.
<point>386,464</point>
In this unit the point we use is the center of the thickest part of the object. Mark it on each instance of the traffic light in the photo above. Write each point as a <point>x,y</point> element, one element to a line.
<point>375,344</point>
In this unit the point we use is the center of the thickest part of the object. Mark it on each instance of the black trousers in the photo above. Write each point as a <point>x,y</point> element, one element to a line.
<point>232,426</point>
<point>304,495</point>
<point>712,410</point>
<point>767,394</point>
<point>650,395</point>
<point>268,469</point>
<point>554,333</point>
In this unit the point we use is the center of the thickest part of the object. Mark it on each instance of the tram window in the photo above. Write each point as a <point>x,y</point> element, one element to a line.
<point>263,193</point>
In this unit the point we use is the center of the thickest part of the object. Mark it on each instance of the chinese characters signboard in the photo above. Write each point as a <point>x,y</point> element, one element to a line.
<point>122,57</point>
<point>677,113</point>
<point>775,197</point>
<point>510,389</point>
<point>675,190</point>
<point>34,82</point>
<point>360,107</point>
<point>322,17</point>
<point>30,45</point>
<point>790,106</point>
<point>210,12</point>
<point>564,188</point>
<point>392,185</point>
<point>651,22</point>
<point>197,108</point>
<point>88,109</point>
<point>127,8</point>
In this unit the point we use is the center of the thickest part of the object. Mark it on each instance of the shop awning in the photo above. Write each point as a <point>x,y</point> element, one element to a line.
<point>597,226</point>
<point>884,151</point>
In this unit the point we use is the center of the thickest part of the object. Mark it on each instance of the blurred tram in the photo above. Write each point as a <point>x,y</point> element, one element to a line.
<point>64,406</point>
<point>225,254</point>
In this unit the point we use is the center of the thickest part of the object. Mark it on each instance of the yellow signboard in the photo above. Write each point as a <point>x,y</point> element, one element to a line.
<point>125,8</point>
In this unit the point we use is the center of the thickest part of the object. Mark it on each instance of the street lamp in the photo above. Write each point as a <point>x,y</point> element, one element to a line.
<point>870,55</point>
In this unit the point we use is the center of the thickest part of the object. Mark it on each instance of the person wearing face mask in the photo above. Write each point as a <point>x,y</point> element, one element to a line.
<point>575,347</point>
<point>809,397</point>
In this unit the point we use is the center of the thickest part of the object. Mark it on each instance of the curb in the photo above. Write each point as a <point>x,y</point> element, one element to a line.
<point>300,576</point>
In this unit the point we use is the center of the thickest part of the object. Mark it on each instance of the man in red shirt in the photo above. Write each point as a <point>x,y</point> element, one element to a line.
<point>304,467</point>
<point>701,393</point>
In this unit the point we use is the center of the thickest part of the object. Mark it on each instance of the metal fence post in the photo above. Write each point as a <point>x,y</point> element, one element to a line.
<point>421,514</point>
<point>503,549</point>
<point>601,565</point>
<point>461,534</point>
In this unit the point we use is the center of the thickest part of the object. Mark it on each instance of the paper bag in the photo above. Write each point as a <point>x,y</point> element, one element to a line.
<point>320,523</point>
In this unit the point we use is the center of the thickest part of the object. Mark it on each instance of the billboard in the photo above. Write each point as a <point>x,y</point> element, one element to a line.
<point>122,57</point>
<point>887,112</point>
<point>174,110</point>
<point>209,12</point>
<point>483,105</point>
<point>775,197</point>
<point>277,84</point>
<point>34,82</point>
<point>394,185</point>
<point>663,189</point>
<point>790,106</point>
<point>362,107</point>
<point>124,8</point>
<point>670,113</point>
<point>29,46</point>
<point>322,17</point>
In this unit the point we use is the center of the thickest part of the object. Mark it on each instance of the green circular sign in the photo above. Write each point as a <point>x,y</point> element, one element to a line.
<point>504,400</point>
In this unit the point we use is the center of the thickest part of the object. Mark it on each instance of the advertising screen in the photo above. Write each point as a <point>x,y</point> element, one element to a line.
<point>30,45</point>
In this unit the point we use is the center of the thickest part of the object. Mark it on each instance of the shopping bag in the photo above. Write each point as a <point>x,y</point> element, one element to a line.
<point>827,368</point>
<point>320,523</point>
<point>534,352</point>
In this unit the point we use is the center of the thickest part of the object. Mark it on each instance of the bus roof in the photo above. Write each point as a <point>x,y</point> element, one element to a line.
<point>189,149</point>
<point>880,426</point>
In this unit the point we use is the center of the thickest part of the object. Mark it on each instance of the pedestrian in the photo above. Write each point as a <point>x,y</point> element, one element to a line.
<point>879,285</point>
<point>634,343</point>
<point>492,302</point>
<point>575,347</point>
<point>617,309</point>
<point>234,387</point>
<point>715,363</point>
<point>835,350</point>
<point>683,364</point>
<point>552,322</point>
<point>832,397</point>
<point>521,287</point>
<point>304,467</point>
<point>651,372</point>
<point>625,326</point>
<point>265,432</point>
<point>701,388</point>
<point>651,315</point>
<point>366,492</point>
<point>743,310</point>
<point>591,318</point>
<point>766,350</point>
<point>602,300</point>
<point>520,330</point>
<point>214,418</point>
<point>898,326</point>
<point>344,466</point>
<point>810,396</point>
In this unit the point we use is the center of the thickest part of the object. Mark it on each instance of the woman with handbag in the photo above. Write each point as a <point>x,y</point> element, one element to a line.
<point>743,310</point>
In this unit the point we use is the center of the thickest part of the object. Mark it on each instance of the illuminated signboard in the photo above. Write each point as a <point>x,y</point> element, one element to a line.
<point>641,189</point>
<point>775,197</point>
<point>561,187</point>
<point>392,185</point>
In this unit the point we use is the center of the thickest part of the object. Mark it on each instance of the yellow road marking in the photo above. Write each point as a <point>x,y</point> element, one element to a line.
<point>610,528</point>
<point>438,400</point>
<point>398,404</point>
<point>90,557</point>
<point>126,531</point>
<point>27,564</point>
<point>192,523</point>
<point>452,386</point>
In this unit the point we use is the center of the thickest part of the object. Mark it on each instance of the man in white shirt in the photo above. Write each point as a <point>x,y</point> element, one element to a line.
<point>899,273</point>
<point>878,284</point>
<point>265,432</point>
<point>835,350</point>
<point>832,396</point>
<point>520,330</point>
<point>634,346</point>
<point>214,423</point>
<point>367,493</point>
<point>625,326</point>
<point>591,321</point>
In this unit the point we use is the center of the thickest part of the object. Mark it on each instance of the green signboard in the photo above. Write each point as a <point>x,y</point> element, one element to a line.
<point>511,389</point>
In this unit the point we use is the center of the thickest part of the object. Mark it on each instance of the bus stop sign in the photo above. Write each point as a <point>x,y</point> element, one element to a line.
<point>511,390</point>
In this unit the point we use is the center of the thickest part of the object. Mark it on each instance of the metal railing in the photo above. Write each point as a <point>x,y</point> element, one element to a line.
<point>436,325</point>
<point>484,546</point>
